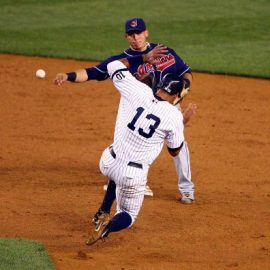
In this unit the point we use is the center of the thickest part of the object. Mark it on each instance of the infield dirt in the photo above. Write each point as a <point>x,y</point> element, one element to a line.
<point>51,141</point>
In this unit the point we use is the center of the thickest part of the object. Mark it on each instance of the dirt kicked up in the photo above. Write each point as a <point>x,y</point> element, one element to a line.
<point>51,139</point>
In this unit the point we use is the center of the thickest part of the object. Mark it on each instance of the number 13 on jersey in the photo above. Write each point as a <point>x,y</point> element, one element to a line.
<point>152,127</point>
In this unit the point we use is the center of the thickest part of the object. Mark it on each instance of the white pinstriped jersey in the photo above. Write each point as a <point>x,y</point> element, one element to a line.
<point>143,122</point>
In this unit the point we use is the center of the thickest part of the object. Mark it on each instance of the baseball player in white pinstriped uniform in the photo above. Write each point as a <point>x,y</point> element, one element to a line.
<point>144,122</point>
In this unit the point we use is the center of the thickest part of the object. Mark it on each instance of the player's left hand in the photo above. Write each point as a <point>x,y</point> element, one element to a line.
<point>152,56</point>
<point>188,112</point>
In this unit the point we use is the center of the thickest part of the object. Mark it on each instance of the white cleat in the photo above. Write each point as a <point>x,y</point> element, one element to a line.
<point>148,191</point>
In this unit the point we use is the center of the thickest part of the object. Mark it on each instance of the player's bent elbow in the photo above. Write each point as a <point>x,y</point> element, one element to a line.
<point>175,151</point>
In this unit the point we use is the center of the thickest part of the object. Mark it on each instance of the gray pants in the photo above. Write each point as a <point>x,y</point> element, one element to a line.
<point>182,165</point>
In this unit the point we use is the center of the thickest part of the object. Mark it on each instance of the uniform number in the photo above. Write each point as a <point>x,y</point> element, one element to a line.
<point>152,127</point>
<point>120,75</point>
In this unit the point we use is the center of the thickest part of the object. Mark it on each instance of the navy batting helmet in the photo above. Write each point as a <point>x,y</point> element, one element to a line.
<point>170,84</point>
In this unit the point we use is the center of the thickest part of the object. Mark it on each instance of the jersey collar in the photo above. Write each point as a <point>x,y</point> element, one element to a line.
<point>132,52</point>
<point>158,98</point>
<point>147,46</point>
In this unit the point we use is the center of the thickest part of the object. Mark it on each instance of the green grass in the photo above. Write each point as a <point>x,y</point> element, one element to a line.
<point>19,254</point>
<point>230,37</point>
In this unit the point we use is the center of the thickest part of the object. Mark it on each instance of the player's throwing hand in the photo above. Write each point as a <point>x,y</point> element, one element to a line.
<point>60,78</point>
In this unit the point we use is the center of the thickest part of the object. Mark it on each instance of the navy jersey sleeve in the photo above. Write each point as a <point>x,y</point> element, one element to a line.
<point>180,65</point>
<point>100,72</point>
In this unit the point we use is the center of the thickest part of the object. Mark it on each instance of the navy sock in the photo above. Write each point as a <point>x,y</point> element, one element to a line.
<point>109,197</point>
<point>119,222</point>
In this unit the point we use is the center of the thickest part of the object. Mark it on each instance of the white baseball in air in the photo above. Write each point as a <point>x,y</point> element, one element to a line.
<point>40,73</point>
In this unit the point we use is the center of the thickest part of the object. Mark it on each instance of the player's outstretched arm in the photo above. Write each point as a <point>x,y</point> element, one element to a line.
<point>76,76</point>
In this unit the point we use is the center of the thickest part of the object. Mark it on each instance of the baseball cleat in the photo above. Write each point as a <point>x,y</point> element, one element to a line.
<point>100,230</point>
<point>97,216</point>
<point>187,198</point>
<point>148,191</point>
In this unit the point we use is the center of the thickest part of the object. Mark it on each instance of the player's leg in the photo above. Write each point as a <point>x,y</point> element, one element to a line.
<point>107,202</point>
<point>107,166</point>
<point>185,184</point>
<point>102,217</point>
<point>129,202</point>
<point>129,197</point>
<point>105,226</point>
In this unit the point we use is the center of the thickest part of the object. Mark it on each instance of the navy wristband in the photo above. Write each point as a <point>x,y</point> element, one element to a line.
<point>135,60</point>
<point>72,76</point>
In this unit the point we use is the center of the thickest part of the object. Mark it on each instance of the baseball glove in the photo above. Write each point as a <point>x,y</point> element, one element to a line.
<point>185,90</point>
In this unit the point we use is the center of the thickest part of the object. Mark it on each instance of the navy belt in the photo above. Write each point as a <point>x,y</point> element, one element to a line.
<point>131,163</point>
<point>112,152</point>
<point>134,164</point>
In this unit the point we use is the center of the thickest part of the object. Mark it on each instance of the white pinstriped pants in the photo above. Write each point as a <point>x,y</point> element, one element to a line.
<point>130,182</point>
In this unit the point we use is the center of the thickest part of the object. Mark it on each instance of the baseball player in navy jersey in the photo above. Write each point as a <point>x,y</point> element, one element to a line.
<point>144,122</point>
<point>136,35</point>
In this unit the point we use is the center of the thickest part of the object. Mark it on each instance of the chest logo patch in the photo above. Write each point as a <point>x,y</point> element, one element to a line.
<point>165,62</point>
<point>162,63</point>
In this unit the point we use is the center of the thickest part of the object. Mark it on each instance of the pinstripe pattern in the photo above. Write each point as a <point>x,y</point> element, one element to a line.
<point>130,145</point>
<point>130,183</point>
<point>143,124</point>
